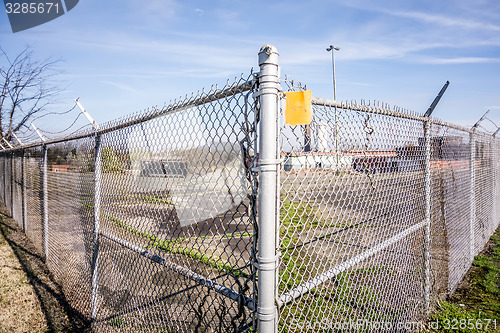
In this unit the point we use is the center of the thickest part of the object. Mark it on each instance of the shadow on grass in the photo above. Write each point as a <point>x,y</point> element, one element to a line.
<point>59,314</point>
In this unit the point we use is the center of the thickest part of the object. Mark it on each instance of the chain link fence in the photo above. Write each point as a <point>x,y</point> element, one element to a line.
<point>148,223</point>
<point>381,212</point>
<point>212,214</point>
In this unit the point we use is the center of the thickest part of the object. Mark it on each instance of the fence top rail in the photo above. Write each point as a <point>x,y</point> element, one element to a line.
<point>386,112</point>
<point>240,86</point>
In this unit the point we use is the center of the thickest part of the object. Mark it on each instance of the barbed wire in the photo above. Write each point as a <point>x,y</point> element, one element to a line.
<point>64,130</point>
<point>79,129</point>
<point>485,129</point>
<point>28,134</point>
<point>492,122</point>
<point>55,113</point>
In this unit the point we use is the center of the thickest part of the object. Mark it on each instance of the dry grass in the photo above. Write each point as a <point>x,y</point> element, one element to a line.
<point>20,309</point>
<point>30,298</point>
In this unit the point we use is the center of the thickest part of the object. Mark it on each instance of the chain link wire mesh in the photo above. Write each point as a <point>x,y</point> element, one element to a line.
<point>69,184</point>
<point>150,222</point>
<point>34,197</point>
<point>451,207</point>
<point>8,181</point>
<point>484,190</point>
<point>17,188</point>
<point>352,211</point>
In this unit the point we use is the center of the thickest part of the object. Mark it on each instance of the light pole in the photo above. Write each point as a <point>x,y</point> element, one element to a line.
<point>333,49</point>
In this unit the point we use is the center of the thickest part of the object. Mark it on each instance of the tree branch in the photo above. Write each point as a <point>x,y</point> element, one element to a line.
<point>26,89</point>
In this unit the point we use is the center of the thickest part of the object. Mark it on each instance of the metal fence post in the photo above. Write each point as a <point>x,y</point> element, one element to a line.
<point>97,209</point>
<point>23,190</point>
<point>267,208</point>
<point>12,184</point>
<point>472,200</point>
<point>45,199</point>
<point>4,178</point>
<point>427,229</point>
<point>494,165</point>
<point>496,159</point>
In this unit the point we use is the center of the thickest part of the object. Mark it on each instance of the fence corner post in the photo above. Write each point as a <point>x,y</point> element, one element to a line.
<point>267,314</point>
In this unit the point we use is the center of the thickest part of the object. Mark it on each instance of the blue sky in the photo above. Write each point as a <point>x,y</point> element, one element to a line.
<point>120,57</point>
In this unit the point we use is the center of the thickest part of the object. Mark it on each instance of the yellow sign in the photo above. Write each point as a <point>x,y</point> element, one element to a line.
<point>298,107</point>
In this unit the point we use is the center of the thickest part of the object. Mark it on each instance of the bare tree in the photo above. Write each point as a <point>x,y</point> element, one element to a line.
<point>26,89</point>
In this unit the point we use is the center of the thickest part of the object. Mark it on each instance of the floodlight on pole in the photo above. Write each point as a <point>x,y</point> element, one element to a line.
<point>333,49</point>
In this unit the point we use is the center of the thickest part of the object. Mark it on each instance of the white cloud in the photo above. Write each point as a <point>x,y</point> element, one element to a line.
<point>445,20</point>
<point>459,60</point>
<point>123,87</point>
<point>475,15</point>
<point>157,8</point>
<point>231,19</point>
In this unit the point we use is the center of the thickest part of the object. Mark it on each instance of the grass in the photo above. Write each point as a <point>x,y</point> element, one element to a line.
<point>176,246</point>
<point>294,217</point>
<point>475,306</point>
<point>117,322</point>
<point>309,312</point>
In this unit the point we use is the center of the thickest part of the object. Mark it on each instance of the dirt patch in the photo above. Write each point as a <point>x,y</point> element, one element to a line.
<point>30,298</point>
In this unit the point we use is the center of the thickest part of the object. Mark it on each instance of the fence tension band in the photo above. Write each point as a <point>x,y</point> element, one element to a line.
<point>267,165</point>
<point>266,314</point>
<point>267,265</point>
<point>271,88</point>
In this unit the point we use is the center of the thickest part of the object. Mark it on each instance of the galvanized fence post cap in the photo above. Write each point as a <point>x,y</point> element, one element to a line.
<point>268,54</point>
